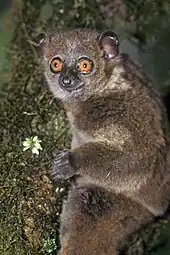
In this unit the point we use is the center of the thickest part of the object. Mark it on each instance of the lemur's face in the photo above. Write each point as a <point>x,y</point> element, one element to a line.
<point>75,62</point>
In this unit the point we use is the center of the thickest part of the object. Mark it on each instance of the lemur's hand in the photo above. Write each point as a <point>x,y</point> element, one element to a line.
<point>61,168</point>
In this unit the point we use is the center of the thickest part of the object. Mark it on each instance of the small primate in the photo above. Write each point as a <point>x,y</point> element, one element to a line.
<point>120,134</point>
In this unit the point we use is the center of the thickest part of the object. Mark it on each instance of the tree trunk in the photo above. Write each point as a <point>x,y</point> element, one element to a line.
<point>30,207</point>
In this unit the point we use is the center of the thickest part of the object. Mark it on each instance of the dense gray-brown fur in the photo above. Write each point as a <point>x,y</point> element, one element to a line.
<point>119,126</point>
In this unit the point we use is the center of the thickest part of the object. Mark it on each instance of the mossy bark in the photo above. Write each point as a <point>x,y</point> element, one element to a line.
<point>29,206</point>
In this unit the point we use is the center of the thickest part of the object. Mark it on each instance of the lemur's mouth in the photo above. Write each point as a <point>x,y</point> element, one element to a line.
<point>69,81</point>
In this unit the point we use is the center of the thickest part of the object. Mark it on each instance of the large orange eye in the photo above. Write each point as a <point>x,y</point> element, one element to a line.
<point>85,65</point>
<point>56,65</point>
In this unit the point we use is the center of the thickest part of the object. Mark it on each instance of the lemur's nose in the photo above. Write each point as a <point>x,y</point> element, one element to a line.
<point>66,80</point>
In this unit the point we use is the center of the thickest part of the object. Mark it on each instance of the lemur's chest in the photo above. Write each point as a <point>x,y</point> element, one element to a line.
<point>79,137</point>
<point>115,134</point>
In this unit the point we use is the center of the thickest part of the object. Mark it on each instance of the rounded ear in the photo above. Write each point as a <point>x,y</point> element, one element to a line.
<point>109,43</point>
<point>39,42</point>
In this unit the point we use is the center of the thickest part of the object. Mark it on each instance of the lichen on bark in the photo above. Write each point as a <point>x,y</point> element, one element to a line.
<point>29,204</point>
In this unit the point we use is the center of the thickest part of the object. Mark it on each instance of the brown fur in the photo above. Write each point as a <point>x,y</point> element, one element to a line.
<point>125,132</point>
<point>120,144</point>
<point>94,221</point>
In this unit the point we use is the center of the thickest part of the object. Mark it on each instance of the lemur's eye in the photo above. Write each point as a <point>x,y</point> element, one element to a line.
<point>85,65</point>
<point>56,65</point>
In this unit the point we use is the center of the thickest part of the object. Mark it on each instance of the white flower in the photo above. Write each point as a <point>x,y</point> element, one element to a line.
<point>32,143</point>
<point>35,151</point>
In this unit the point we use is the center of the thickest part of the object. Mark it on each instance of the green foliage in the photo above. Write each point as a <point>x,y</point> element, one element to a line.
<point>49,245</point>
